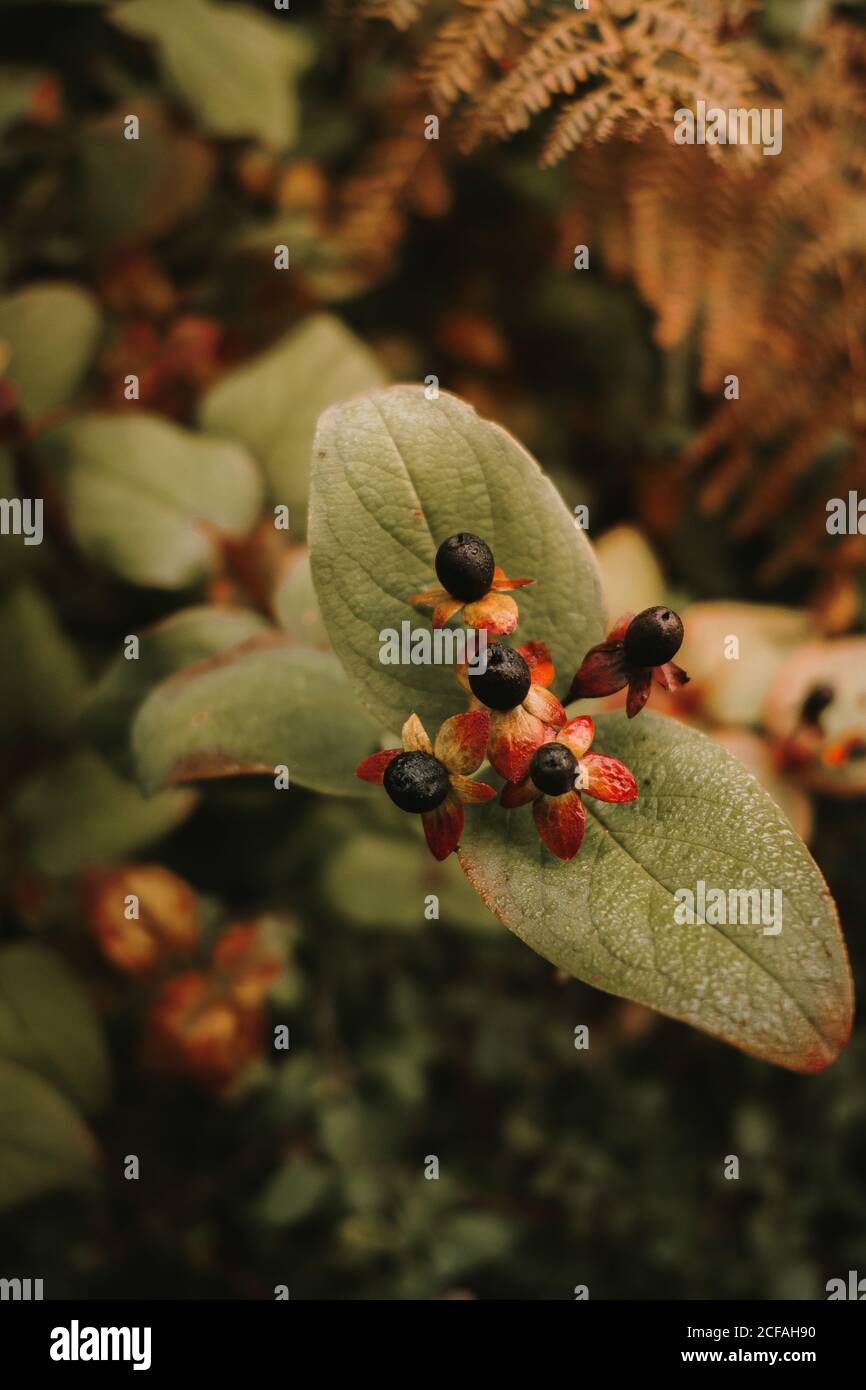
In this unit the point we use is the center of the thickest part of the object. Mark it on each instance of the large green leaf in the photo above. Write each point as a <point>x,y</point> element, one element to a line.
<point>608,916</point>
<point>78,812</point>
<point>149,500</point>
<point>235,69</point>
<point>167,647</point>
<point>44,1145</point>
<point>51,333</point>
<point>48,1024</point>
<point>272,403</point>
<point>266,704</point>
<point>393,475</point>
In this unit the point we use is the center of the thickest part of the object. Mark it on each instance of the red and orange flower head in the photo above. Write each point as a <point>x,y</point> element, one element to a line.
<point>208,1026</point>
<point>637,650</point>
<point>471,582</point>
<point>523,713</point>
<point>559,770</point>
<point>433,779</point>
<point>193,1031</point>
<point>167,923</point>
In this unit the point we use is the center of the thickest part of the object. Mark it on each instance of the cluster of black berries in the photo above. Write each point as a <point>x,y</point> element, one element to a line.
<point>513,718</point>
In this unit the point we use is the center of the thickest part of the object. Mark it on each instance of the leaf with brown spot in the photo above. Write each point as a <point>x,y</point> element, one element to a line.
<point>267,703</point>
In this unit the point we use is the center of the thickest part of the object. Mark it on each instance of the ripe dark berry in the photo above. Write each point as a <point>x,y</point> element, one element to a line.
<point>464,566</point>
<point>815,703</point>
<point>505,683</point>
<point>653,637</point>
<point>553,769</point>
<point>416,782</point>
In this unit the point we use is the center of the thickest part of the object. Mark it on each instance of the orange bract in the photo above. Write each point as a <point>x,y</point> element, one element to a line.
<point>141,914</point>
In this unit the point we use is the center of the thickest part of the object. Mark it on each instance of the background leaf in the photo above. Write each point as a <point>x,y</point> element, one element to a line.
<point>44,1145</point>
<point>266,703</point>
<point>381,882</point>
<point>393,475</point>
<point>48,1024</point>
<point>137,190</point>
<point>20,93</point>
<point>42,680</point>
<point>841,665</point>
<point>632,578</point>
<point>78,812</point>
<point>295,605</point>
<point>51,332</point>
<point>167,647</point>
<point>18,560</point>
<point>292,1192</point>
<point>608,916</point>
<point>272,403</point>
<point>733,691</point>
<point>235,69</point>
<point>149,500</point>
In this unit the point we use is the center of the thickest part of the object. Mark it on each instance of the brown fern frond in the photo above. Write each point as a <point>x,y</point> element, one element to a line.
<point>401,13</point>
<point>599,112</point>
<point>810,540</point>
<point>375,200</point>
<point>506,61</point>
<point>560,58</point>
<point>761,265</point>
<point>755,263</point>
<point>466,45</point>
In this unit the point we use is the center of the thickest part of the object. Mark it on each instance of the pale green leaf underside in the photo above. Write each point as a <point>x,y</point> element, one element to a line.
<point>394,474</point>
<point>48,1024</point>
<point>267,704</point>
<point>608,916</point>
<point>44,1145</point>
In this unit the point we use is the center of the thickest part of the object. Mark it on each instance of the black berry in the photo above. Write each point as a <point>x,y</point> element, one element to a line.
<point>464,566</point>
<point>416,782</point>
<point>506,681</point>
<point>815,703</point>
<point>553,769</point>
<point>653,637</point>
